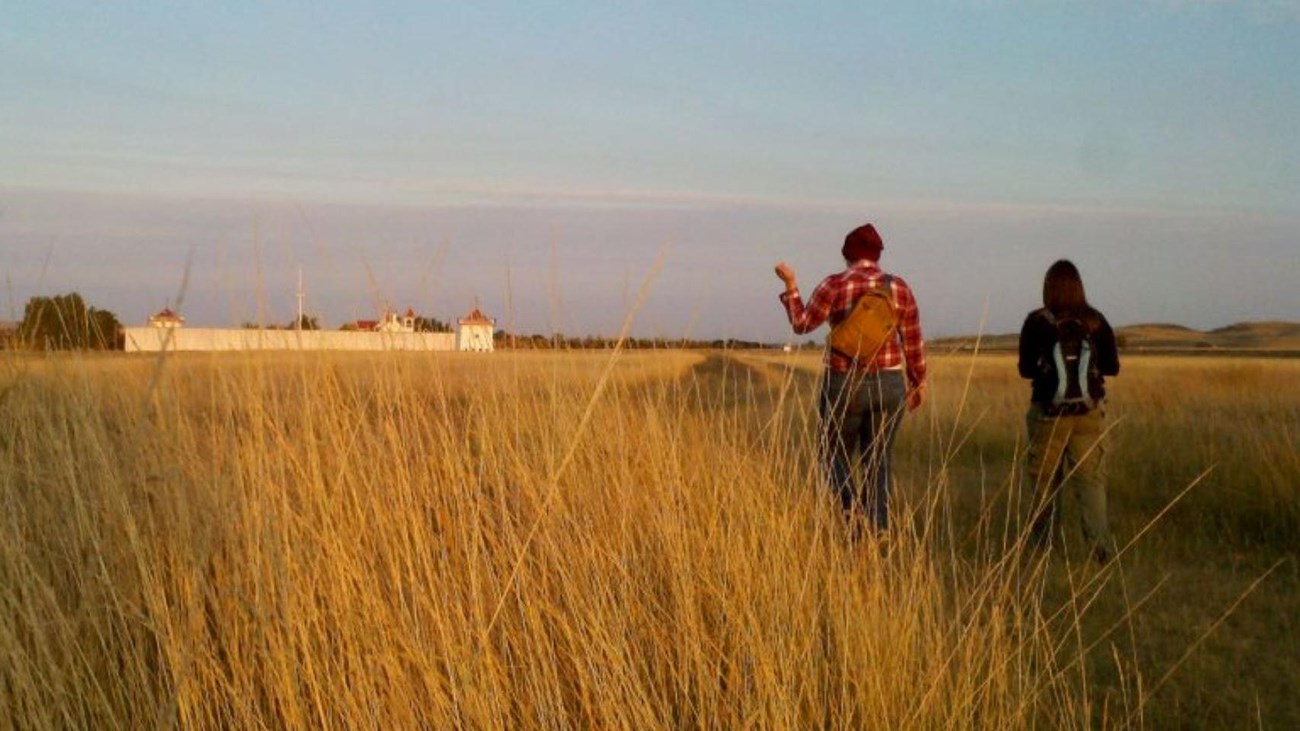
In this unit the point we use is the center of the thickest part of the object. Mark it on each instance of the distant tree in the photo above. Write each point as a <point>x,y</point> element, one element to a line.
<point>308,323</point>
<point>64,322</point>
<point>9,335</point>
<point>431,325</point>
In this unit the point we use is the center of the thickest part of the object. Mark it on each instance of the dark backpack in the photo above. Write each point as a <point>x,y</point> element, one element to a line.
<point>1073,360</point>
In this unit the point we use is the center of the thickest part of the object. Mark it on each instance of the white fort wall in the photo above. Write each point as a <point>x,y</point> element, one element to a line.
<point>154,339</point>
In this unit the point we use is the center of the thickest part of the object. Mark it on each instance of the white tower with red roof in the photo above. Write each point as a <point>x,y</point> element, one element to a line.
<point>474,332</point>
<point>166,318</point>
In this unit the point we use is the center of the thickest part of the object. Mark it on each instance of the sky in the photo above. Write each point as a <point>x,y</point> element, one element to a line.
<point>547,160</point>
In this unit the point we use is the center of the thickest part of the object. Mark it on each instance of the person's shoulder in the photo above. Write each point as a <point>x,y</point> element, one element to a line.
<point>833,279</point>
<point>897,281</point>
<point>899,290</point>
<point>849,272</point>
<point>1038,314</point>
<point>1096,320</point>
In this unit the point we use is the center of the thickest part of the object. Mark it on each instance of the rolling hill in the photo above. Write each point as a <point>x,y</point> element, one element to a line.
<point>1242,336</point>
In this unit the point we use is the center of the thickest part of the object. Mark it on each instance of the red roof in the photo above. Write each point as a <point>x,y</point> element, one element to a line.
<point>475,317</point>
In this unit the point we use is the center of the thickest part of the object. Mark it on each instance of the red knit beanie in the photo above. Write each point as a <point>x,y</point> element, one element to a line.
<point>863,243</point>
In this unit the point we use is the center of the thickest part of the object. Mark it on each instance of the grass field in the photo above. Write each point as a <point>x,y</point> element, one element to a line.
<point>582,541</point>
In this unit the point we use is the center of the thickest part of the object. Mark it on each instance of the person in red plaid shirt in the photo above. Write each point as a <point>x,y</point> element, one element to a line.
<point>861,402</point>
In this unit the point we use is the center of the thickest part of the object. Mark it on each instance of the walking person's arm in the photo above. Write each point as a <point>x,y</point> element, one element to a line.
<point>1030,361</point>
<point>803,318</point>
<point>909,332</point>
<point>1107,350</point>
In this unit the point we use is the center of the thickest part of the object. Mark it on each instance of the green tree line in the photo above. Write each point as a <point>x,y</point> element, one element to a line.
<point>66,322</point>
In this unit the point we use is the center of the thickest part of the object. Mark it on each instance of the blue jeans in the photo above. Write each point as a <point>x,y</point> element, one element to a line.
<point>860,415</point>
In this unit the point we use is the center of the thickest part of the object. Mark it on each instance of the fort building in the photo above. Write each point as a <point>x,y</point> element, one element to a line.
<point>474,332</point>
<point>166,331</point>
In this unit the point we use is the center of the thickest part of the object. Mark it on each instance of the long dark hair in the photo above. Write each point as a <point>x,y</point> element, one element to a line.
<point>1063,289</point>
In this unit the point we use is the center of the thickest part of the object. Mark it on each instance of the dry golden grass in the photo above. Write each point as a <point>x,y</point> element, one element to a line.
<point>539,541</point>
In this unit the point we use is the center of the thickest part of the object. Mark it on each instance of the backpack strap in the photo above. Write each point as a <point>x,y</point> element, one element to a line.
<point>887,280</point>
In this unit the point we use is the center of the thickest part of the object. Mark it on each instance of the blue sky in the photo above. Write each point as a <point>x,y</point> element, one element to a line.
<point>538,156</point>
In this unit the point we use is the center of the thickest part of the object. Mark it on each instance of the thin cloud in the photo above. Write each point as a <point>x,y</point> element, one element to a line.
<point>459,193</point>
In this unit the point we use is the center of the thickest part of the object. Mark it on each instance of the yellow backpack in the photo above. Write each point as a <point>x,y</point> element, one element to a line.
<point>869,325</point>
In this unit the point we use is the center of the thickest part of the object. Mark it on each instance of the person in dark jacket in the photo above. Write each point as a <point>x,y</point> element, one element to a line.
<point>1066,447</point>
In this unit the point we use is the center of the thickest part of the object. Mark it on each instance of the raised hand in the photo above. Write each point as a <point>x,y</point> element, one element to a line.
<point>786,274</point>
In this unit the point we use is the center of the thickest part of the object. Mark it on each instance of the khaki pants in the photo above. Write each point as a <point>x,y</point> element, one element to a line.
<point>1066,453</point>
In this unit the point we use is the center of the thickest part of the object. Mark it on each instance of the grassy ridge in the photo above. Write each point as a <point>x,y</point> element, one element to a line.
<point>1273,338</point>
<point>536,541</point>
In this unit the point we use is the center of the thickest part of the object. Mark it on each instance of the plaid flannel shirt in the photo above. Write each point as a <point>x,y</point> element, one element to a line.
<point>834,299</point>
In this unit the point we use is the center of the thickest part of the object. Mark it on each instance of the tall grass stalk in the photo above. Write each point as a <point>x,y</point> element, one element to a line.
<point>359,541</point>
